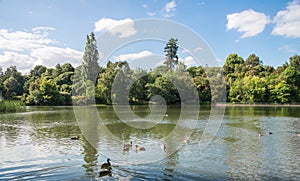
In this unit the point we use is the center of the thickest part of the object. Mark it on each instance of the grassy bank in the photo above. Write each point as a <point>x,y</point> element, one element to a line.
<point>11,106</point>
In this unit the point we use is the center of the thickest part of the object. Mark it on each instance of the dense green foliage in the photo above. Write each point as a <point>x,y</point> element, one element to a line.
<point>247,81</point>
<point>11,106</point>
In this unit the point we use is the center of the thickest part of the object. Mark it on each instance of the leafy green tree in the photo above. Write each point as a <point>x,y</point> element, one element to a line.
<point>46,94</point>
<point>67,67</point>
<point>232,64</point>
<point>295,62</point>
<point>254,66</point>
<point>171,53</point>
<point>2,87</point>
<point>233,69</point>
<point>138,93</point>
<point>38,71</point>
<point>217,84</point>
<point>282,93</point>
<point>57,70</point>
<point>105,80</point>
<point>13,82</point>
<point>12,86</point>
<point>249,89</point>
<point>164,88</point>
<point>236,94</point>
<point>201,82</point>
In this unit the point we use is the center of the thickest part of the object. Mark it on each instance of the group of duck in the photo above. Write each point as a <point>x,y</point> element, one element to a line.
<point>260,134</point>
<point>128,146</point>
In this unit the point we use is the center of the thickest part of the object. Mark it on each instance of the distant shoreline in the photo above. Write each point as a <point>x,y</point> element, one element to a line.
<point>257,105</point>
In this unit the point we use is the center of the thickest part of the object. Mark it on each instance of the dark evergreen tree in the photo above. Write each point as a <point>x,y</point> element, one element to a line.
<point>171,53</point>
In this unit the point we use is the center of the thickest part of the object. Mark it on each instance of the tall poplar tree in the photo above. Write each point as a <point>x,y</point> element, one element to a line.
<point>90,59</point>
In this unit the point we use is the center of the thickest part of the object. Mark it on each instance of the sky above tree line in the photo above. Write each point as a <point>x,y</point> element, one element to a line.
<point>54,31</point>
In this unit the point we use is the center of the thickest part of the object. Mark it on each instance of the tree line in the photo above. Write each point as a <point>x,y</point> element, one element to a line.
<point>243,81</point>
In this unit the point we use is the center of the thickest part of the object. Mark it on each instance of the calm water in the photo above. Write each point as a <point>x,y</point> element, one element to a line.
<point>36,145</point>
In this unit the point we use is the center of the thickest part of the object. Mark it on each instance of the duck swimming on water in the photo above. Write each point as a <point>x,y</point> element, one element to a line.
<point>128,144</point>
<point>105,173</point>
<point>106,165</point>
<point>140,148</point>
<point>75,138</point>
<point>126,148</point>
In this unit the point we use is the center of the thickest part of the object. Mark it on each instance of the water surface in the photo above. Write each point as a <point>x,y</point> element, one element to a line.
<point>36,145</point>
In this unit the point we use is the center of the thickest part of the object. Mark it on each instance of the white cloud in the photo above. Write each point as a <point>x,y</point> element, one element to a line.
<point>50,56</point>
<point>169,9</point>
<point>170,6</point>
<point>25,49</point>
<point>248,22</point>
<point>186,50</point>
<point>133,56</point>
<point>151,13</point>
<point>42,29</point>
<point>145,6</point>
<point>22,61</point>
<point>194,50</point>
<point>21,40</point>
<point>198,49</point>
<point>124,28</point>
<point>189,61</point>
<point>288,21</point>
<point>288,48</point>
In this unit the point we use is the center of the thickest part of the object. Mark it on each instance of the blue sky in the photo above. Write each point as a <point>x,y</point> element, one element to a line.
<point>54,31</point>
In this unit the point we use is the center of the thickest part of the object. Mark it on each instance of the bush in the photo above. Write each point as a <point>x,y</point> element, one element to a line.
<point>12,106</point>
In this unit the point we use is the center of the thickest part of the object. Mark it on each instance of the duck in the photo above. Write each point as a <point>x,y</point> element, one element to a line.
<point>75,138</point>
<point>106,165</point>
<point>270,132</point>
<point>165,147</point>
<point>260,135</point>
<point>140,148</point>
<point>105,173</point>
<point>128,144</point>
<point>126,148</point>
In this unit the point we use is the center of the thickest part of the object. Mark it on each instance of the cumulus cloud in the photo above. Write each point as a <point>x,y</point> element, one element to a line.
<point>21,40</point>
<point>133,56</point>
<point>287,22</point>
<point>50,56</point>
<point>123,28</point>
<point>169,9</point>
<point>25,49</point>
<point>188,61</point>
<point>170,6</point>
<point>248,22</point>
<point>22,61</point>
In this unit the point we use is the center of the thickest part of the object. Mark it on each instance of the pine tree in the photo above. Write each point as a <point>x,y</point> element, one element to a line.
<point>171,53</point>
